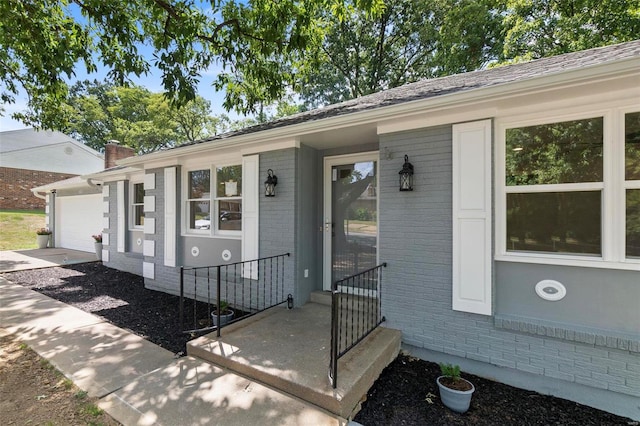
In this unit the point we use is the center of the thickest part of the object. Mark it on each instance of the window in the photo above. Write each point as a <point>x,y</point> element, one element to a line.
<point>554,181</point>
<point>229,198</point>
<point>569,190</point>
<point>632,184</point>
<point>137,205</point>
<point>199,199</point>
<point>226,200</point>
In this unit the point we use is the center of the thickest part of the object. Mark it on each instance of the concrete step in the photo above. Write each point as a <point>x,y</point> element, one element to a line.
<point>288,350</point>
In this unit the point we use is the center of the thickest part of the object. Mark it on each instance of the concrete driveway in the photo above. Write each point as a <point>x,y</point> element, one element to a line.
<point>19,260</point>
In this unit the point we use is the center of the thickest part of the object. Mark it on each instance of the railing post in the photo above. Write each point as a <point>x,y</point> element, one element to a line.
<point>218,313</point>
<point>181,297</point>
<point>334,337</point>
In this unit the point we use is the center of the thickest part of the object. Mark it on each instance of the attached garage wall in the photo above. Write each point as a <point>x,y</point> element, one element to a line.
<point>77,218</point>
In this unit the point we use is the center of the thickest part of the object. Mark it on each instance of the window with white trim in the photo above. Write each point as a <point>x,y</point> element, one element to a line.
<point>214,212</point>
<point>563,196</point>
<point>554,182</point>
<point>136,212</point>
<point>632,184</point>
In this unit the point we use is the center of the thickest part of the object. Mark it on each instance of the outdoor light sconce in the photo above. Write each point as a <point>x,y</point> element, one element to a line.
<point>406,175</point>
<point>270,184</point>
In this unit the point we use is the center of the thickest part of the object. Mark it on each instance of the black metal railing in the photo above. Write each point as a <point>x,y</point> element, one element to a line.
<point>356,311</point>
<point>246,288</point>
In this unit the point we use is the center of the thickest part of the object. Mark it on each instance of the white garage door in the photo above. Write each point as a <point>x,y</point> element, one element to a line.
<point>77,219</point>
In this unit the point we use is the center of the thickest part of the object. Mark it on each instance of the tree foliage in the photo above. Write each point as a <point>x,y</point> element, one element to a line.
<point>136,117</point>
<point>410,40</point>
<point>538,28</point>
<point>42,43</point>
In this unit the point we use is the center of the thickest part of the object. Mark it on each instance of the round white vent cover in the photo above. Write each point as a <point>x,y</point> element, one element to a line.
<point>195,251</point>
<point>139,241</point>
<point>551,290</point>
<point>226,255</point>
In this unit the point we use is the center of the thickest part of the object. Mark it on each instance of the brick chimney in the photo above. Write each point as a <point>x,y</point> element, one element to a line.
<point>113,151</point>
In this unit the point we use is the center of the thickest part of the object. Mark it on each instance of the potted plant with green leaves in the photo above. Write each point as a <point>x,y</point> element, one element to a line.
<point>455,392</point>
<point>42,237</point>
<point>97,244</point>
<point>226,314</point>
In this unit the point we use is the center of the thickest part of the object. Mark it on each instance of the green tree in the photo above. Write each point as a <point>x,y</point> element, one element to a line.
<point>539,28</point>
<point>136,117</point>
<point>410,40</point>
<point>43,42</point>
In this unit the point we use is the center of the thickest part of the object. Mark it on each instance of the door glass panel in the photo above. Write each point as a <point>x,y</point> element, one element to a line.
<point>354,232</point>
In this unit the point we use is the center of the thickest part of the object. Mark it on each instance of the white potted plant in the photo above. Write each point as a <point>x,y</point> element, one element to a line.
<point>42,237</point>
<point>455,392</point>
<point>97,243</point>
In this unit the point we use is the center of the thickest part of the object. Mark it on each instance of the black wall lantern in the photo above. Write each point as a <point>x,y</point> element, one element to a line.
<point>270,184</point>
<point>406,175</point>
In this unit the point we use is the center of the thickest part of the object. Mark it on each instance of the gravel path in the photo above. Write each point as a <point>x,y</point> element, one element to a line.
<point>405,394</point>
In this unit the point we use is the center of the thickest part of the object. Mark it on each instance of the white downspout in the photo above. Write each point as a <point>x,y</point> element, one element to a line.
<point>38,195</point>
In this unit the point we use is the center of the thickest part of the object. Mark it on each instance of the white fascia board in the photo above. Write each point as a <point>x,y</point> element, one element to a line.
<point>114,175</point>
<point>609,70</point>
<point>243,144</point>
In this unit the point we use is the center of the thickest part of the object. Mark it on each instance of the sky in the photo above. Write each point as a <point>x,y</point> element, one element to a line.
<point>152,82</point>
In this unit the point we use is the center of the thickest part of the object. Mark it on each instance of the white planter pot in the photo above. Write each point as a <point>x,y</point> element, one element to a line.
<point>42,240</point>
<point>458,401</point>
<point>98,247</point>
<point>224,318</point>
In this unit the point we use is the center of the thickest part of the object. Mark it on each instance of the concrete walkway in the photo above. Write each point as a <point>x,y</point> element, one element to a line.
<point>20,260</point>
<point>139,382</point>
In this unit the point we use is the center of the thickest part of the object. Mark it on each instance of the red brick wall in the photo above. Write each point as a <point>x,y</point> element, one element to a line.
<point>16,184</point>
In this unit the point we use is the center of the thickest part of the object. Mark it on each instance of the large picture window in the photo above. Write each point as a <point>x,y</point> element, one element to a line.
<point>569,190</point>
<point>554,181</point>
<point>219,211</point>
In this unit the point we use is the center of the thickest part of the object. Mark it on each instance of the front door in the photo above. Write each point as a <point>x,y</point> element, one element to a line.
<point>350,215</point>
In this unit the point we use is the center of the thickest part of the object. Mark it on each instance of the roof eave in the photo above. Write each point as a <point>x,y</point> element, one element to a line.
<point>601,71</point>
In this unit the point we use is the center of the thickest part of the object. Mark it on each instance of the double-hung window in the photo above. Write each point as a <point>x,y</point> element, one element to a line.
<point>563,195</point>
<point>214,212</point>
<point>137,205</point>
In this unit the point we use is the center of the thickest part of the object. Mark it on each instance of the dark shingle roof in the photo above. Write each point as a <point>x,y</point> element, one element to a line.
<point>432,88</point>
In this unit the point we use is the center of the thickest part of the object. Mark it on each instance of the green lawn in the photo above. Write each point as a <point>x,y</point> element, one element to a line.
<point>18,228</point>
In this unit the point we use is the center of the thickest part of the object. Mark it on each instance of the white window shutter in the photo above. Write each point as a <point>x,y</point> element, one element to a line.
<point>250,210</point>
<point>170,216</point>
<point>121,217</point>
<point>472,217</point>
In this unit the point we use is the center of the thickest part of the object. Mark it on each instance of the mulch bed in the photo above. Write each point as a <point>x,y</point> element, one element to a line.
<point>405,394</point>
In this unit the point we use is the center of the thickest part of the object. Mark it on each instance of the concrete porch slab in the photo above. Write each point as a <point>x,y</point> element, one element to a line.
<point>289,350</point>
<point>20,260</point>
<point>194,392</point>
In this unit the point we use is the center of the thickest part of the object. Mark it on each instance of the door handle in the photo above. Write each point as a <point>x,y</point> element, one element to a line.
<point>327,226</point>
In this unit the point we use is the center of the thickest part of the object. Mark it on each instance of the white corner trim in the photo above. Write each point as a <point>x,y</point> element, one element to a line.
<point>149,181</point>
<point>149,248</point>
<point>149,203</point>
<point>105,191</point>
<point>148,270</point>
<point>149,225</point>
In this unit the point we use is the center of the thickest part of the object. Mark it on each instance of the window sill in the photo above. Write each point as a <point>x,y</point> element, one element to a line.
<point>587,335</point>
<point>579,261</point>
<point>214,236</point>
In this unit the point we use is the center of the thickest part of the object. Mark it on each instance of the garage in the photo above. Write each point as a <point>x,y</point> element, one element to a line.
<point>77,218</point>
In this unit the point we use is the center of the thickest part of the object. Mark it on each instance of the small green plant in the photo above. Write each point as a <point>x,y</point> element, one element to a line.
<point>81,394</point>
<point>92,410</point>
<point>67,384</point>
<point>450,371</point>
<point>24,346</point>
<point>224,307</point>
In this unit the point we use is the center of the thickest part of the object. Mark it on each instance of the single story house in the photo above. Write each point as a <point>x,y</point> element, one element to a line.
<point>512,250</point>
<point>31,158</point>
